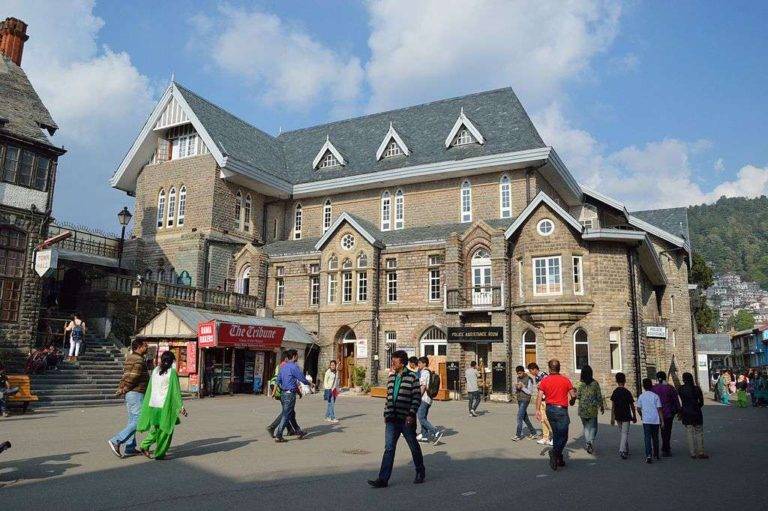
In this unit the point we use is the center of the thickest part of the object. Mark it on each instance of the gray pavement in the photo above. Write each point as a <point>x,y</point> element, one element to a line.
<point>222,458</point>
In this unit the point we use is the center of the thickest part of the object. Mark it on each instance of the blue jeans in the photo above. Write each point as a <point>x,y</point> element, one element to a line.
<point>392,432</point>
<point>474,400</point>
<point>590,429</point>
<point>427,429</point>
<point>559,420</point>
<point>330,413</point>
<point>522,416</point>
<point>288,400</point>
<point>651,433</point>
<point>127,436</point>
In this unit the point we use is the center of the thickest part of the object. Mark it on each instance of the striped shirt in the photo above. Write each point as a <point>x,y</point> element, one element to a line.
<point>405,402</point>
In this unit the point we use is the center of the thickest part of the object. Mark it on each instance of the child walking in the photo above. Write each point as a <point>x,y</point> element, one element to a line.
<point>649,406</point>
<point>622,412</point>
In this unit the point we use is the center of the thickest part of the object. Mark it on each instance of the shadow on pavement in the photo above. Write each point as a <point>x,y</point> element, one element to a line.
<point>207,446</point>
<point>37,468</point>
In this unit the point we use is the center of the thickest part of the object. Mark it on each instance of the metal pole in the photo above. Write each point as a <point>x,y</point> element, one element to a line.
<point>120,249</point>
<point>136,317</point>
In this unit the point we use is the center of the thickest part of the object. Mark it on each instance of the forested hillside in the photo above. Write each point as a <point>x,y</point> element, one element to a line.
<point>732,234</point>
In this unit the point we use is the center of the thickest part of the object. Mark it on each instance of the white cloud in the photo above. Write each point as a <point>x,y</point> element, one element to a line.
<point>441,48</point>
<point>95,95</point>
<point>719,165</point>
<point>287,65</point>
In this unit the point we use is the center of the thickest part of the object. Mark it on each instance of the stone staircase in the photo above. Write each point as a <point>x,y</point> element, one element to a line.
<point>91,381</point>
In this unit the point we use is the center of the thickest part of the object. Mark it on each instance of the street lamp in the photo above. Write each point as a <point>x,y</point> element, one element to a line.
<point>124,217</point>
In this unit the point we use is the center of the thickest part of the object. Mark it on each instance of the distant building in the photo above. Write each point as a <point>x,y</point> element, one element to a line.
<point>712,351</point>
<point>749,348</point>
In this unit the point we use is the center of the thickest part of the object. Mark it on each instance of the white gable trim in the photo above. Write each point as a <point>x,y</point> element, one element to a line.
<point>328,146</point>
<point>530,208</point>
<point>391,134</point>
<point>345,217</point>
<point>464,120</point>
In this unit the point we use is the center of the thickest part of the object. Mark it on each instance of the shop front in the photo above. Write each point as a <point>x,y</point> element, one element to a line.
<point>477,344</point>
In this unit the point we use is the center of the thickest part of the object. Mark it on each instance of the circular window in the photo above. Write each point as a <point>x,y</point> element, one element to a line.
<point>545,227</point>
<point>347,242</point>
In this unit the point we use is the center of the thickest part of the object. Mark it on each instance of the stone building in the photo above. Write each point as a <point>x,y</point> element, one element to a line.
<point>28,161</point>
<point>448,229</point>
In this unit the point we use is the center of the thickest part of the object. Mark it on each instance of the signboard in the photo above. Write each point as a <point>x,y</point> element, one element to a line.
<point>476,334</point>
<point>235,335</point>
<point>46,261</point>
<point>702,361</point>
<point>361,346</point>
<point>194,383</point>
<point>656,332</point>
<point>452,368</point>
<point>191,357</point>
<point>499,378</point>
<point>410,351</point>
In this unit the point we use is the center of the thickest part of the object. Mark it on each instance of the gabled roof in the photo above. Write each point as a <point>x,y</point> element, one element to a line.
<point>672,220</point>
<point>463,120</point>
<point>392,134</point>
<point>328,146</point>
<point>364,228</point>
<point>22,114</point>
<point>533,205</point>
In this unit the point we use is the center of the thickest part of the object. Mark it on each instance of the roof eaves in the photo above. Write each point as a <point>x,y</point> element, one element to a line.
<point>346,217</point>
<point>531,207</point>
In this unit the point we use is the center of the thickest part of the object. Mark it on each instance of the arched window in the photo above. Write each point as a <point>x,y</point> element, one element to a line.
<point>327,215</point>
<point>239,210</point>
<point>161,208</point>
<point>505,197</point>
<point>482,292</point>
<point>580,348</point>
<point>247,214</point>
<point>386,211</point>
<point>171,206</point>
<point>13,248</point>
<point>362,260</point>
<point>433,343</point>
<point>399,209</point>
<point>529,347</point>
<point>333,263</point>
<point>346,264</point>
<point>147,275</point>
<point>244,284</point>
<point>182,206</point>
<point>161,275</point>
<point>466,202</point>
<point>297,222</point>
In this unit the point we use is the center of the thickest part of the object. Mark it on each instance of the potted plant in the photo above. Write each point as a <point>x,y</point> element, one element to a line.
<point>358,378</point>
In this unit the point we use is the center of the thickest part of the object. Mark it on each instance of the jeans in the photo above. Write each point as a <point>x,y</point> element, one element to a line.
<point>558,421</point>
<point>127,436</point>
<point>651,433</point>
<point>666,434</point>
<point>74,348</point>
<point>272,427</point>
<point>427,429</point>
<point>209,384</point>
<point>522,416</point>
<point>695,436</point>
<point>623,437</point>
<point>590,429</point>
<point>392,432</point>
<point>474,400</point>
<point>330,413</point>
<point>288,400</point>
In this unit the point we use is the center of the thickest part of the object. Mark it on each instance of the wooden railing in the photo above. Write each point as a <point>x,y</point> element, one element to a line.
<point>474,298</point>
<point>180,295</point>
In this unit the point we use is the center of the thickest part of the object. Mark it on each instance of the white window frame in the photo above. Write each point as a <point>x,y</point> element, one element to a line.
<point>390,337</point>
<point>327,215</point>
<point>314,290</point>
<point>463,122</point>
<point>346,237</point>
<point>386,211</point>
<point>279,292</point>
<point>347,287</point>
<point>161,208</point>
<point>524,344</point>
<point>541,223</point>
<point>297,221</point>
<point>520,284</point>
<point>362,286</point>
<point>184,146</point>
<point>399,209</point>
<point>247,209</point>
<point>505,195</point>
<point>434,338</point>
<point>614,342</point>
<point>182,206</point>
<point>384,148</point>
<point>434,284</point>
<point>550,291</point>
<point>391,287</point>
<point>239,210</point>
<point>578,274</point>
<point>465,213</point>
<point>575,332</point>
<point>320,158</point>
<point>333,281</point>
<point>171,206</point>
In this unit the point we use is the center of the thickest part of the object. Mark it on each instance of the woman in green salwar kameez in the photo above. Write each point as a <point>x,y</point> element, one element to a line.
<point>161,408</point>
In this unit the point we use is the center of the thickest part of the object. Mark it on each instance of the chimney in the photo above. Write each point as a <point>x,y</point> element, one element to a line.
<point>13,35</point>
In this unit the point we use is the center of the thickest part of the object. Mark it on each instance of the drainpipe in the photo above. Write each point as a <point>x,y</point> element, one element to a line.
<point>635,322</point>
<point>376,324</point>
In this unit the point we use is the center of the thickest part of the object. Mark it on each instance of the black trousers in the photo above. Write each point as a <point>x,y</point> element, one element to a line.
<point>666,435</point>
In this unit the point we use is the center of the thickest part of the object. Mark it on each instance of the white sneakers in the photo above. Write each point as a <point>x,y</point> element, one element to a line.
<point>544,441</point>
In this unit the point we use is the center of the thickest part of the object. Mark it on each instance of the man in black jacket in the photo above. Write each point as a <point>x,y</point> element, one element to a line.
<point>403,399</point>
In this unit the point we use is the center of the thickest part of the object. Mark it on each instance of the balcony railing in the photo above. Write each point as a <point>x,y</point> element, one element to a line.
<point>86,242</point>
<point>482,298</point>
<point>181,295</point>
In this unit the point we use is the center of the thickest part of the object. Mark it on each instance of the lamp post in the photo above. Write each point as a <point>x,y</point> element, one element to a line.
<point>124,217</point>
<point>136,293</point>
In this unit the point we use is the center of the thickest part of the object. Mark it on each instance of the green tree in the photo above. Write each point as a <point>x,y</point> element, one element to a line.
<point>701,274</point>
<point>742,320</point>
<point>706,319</point>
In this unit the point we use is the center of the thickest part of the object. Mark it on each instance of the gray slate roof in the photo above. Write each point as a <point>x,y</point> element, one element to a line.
<point>22,112</point>
<point>713,343</point>
<point>498,115</point>
<point>672,220</point>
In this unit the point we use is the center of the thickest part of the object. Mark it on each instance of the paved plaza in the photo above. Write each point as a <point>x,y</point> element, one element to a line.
<point>222,458</point>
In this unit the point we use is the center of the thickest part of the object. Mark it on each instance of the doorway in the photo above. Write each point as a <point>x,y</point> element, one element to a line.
<point>345,356</point>
<point>69,292</point>
<point>482,293</point>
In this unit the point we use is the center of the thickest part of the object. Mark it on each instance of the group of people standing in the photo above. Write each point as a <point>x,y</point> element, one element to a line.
<point>748,387</point>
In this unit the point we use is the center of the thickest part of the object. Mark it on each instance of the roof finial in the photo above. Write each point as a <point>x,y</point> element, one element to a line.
<point>173,77</point>
<point>327,137</point>
<point>462,111</point>
<point>390,125</point>
<point>279,130</point>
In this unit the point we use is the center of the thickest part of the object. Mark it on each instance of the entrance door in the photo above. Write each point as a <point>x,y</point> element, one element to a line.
<point>482,293</point>
<point>348,363</point>
<point>529,348</point>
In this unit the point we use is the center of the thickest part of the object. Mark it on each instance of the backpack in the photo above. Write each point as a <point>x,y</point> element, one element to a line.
<point>77,332</point>
<point>434,384</point>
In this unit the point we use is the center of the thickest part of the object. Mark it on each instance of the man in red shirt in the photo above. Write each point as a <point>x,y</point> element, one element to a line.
<point>558,391</point>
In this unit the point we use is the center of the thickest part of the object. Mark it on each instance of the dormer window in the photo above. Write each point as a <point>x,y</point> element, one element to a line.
<point>329,160</point>
<point>328,157</point>
<point>464,137</point>
<point>392,145</point>
<point>392,150</point>
<point>184,146</point>
<point>464,132</point>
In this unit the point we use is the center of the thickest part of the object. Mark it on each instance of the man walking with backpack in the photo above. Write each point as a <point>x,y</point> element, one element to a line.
<point>429,384</point>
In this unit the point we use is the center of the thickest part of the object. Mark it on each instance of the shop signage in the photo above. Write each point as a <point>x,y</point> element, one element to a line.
<point>46,261</point>
<point>212,333</point>
<point>657,332</point>
<point>476,334</point>
<point>362,348</point>
<point>453,375</point>
<point>191,357</point>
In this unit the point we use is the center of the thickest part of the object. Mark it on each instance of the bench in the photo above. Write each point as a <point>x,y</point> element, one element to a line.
<point>24,395</point>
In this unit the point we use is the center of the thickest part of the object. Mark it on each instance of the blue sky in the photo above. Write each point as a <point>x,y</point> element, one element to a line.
<point>656,104</point>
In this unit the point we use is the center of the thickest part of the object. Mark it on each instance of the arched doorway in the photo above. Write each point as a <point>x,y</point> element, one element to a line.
<point>529,347</point>
<point>345,355</point>
<point>69,292</point>
<point>244,282</point>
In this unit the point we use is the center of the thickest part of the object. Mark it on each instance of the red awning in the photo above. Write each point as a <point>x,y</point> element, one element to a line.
<point>233,335</point>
